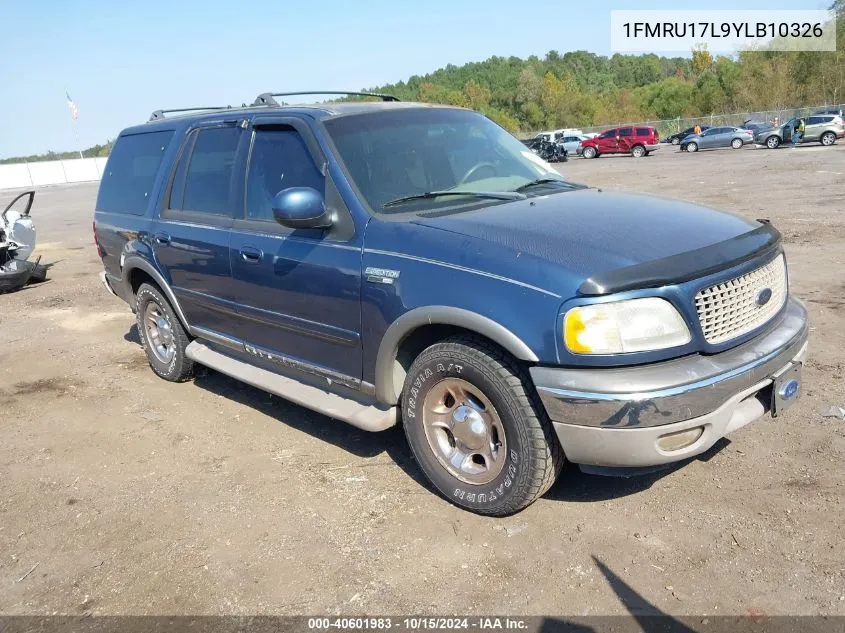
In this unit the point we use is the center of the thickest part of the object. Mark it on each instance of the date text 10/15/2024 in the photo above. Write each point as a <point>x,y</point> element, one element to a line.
<point>418,623</point>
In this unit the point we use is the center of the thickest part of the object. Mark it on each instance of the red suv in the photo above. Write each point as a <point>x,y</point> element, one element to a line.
<point>636,141</point>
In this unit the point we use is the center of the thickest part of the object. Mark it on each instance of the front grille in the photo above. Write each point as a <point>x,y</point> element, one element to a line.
<point>732,308</point>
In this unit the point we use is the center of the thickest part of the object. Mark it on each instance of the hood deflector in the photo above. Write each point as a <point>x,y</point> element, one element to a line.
<point>685,266</point>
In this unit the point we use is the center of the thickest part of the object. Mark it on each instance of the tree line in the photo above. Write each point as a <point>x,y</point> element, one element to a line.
<point>91,152</point>
<point>581,89</point>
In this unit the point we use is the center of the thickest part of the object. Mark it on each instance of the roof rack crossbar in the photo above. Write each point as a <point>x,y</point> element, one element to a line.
<point>159,114</point>
<point>266,98</point>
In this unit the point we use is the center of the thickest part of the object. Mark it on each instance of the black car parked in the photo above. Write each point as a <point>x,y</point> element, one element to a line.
<point>675,139</point>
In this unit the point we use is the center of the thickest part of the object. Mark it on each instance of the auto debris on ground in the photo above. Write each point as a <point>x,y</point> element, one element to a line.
<point>17,241</point>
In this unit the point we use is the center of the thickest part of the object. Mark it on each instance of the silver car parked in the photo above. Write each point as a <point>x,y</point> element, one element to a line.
<point>573,142</point>
<point>718,137</point>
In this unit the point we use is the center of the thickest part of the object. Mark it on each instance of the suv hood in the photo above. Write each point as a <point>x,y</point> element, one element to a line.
<point>590,231</point>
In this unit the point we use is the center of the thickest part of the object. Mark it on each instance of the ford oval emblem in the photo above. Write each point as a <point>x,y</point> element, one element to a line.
<point>789,390</point>
<point>764,296</point>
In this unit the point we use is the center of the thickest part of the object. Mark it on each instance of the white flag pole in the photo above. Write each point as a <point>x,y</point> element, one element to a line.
<point>74,114</point>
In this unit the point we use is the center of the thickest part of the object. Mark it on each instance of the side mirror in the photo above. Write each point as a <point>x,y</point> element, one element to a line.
<point>301,208</point>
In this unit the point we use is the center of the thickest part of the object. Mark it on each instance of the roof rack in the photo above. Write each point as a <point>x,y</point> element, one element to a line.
<point>159,114</point>
<point>266,98</point>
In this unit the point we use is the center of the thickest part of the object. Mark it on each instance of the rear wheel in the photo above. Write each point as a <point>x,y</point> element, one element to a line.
<point>162,335</point>
<point>736,143</point>
<point>638,151</point>
<point>476,428</point>
<point>828,139</point>
<point>589,152</point>
<point>692,146</point>
<point>773,142</point>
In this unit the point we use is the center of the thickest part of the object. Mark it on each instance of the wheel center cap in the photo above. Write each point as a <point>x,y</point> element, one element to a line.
<point>469,427</point>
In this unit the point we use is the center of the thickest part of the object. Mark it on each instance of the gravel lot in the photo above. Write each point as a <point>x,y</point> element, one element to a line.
<point>131,495</point>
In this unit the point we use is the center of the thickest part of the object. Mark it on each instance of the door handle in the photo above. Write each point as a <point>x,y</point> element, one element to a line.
<point>162,238</point>
<point>251,255</point>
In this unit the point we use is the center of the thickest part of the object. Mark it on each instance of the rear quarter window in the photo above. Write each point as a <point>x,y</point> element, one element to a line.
<point>643,131</point>
<point>129,177</point>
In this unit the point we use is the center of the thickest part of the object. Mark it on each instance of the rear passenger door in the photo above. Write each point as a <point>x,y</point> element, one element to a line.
<point>191,237</point>
<point>813,127</point>
<point>298,290</point>
<point>625,140</point>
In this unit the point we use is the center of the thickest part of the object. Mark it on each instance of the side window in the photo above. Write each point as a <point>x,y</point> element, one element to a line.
<point>131,171</point>
<point>815,120</point>
<point>279,160</point>
<point>626,131</point>
<point>204,177</point>
<point>608,134</point>
<point>642,131</point>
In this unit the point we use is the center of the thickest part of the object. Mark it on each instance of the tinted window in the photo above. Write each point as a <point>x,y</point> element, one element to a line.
<point>130,173</point>
<point>279,160</point>
<point>626,131</point>
<point>608,134</point>
<point>814,120</point>
<point>208,177</point>
<point>643,131</point>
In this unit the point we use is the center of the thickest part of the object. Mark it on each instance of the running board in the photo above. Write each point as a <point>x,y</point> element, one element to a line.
<point>364,416</point>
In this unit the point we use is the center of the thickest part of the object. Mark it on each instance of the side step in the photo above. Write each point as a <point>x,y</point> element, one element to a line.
<point>364,416</point>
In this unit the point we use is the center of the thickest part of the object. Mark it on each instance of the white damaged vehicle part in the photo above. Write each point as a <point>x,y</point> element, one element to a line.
<point>17,242</point>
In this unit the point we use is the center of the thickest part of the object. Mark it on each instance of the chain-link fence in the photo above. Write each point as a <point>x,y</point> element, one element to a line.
<point>666,127</point>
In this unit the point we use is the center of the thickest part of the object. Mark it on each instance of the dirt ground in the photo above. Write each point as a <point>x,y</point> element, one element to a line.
<point>125,494</point>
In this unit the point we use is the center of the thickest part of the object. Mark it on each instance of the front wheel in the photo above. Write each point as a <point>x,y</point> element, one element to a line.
<point>589,152</point>
<point>477,429</point>
<point>772,142</point>
<point>736,143</point>
<point>676,141</point>
<point>692,147</point>
<point>638,151</point>
<point>828,138</point>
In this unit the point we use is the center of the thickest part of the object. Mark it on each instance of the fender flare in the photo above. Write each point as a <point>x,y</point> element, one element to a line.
<point>134,261</point>
<point>387,391</point>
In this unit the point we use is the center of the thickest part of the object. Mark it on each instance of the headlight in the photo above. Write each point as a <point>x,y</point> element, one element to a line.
<point>635,325</point>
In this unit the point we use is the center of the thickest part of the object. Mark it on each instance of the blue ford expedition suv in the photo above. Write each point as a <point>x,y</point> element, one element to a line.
<point>385,262</point>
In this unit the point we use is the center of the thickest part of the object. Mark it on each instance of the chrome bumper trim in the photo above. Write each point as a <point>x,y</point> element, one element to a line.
<point>671,391</point>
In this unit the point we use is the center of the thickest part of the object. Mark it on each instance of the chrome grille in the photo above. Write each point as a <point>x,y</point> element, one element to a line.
<point>731,308</point>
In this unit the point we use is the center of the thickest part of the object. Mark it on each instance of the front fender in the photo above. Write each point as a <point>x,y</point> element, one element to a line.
<point>388,387</point>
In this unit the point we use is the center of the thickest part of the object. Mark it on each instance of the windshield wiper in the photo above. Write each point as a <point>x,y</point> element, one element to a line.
<point>545,181</point>
<point>497,195</point>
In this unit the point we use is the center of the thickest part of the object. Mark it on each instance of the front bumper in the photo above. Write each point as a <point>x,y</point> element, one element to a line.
<point>621,416</point>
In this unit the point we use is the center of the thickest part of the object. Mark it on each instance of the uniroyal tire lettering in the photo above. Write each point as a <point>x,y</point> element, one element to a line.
<point>440,367</point>
<point>501,489</point>
<point>459,493</point>
<point>471,497</point>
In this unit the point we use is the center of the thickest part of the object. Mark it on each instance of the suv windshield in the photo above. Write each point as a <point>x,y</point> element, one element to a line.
<point>406,157</point>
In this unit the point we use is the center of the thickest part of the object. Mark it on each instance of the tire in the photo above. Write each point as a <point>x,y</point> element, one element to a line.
<point>827,139</point>
<point>168,359</point>
<point>638,151</point>
<point>692,146</point>
<point>590,152</point>
<point>736,143</point>
<point>465,381</point>
<point>773,142</point>
<point>676,141</point>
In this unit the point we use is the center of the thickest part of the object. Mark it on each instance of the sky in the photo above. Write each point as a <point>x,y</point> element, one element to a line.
<point>120,60</point>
